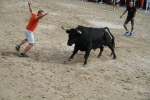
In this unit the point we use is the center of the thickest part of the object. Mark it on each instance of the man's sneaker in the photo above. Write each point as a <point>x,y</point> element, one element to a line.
<point>23,55</point>
<point>130,34</point>
<point>17,47</point>
<point>126,33</point>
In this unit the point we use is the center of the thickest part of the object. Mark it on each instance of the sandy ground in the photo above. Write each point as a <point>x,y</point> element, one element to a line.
<point>47,75</point>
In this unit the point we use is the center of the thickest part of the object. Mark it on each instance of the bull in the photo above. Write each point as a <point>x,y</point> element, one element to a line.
<point>88,38</point>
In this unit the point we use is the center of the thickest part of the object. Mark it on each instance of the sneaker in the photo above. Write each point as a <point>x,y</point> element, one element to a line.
<point>145,11</point>
<point>126,33</point>
<point>130,34</point>
<point>23,55</point>
<point>114,9</point>
<point>17,47</point>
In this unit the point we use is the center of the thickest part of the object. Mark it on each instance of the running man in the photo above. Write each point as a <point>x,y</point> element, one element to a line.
<point>131,16</point>
<point>34,20</point>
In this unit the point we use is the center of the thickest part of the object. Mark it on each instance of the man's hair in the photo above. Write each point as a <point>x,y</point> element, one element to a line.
<point>40,11</point>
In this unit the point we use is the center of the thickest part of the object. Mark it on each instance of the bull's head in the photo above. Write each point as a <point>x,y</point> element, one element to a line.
<point>74,35</point>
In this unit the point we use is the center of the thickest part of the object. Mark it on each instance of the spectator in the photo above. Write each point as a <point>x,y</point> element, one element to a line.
<point>101,2</point>
<point>147,6</point>
<point>97,1</point>
<point>127,2</point>
<point>134,3</point>
<point>115,5</point>
<point>141,4</point>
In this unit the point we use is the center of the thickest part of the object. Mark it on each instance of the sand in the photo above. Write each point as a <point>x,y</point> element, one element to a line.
<point>47,75</point>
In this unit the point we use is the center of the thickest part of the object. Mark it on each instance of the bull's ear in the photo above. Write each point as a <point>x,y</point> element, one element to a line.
<point>68,31</point>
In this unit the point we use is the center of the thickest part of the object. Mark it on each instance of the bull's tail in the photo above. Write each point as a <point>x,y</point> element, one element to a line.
<point>113,38</point>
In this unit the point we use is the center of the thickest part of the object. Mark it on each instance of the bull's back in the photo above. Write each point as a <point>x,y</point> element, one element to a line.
<point>93,34</point>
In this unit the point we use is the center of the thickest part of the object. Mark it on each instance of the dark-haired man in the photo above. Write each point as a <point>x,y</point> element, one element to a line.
<point>34,20</point>
<point>130,17</point>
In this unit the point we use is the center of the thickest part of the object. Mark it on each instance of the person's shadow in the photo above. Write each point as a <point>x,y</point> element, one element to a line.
<point>9,54</point>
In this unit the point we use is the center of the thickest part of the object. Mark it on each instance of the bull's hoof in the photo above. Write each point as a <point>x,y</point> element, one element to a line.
<point>70,59</point>
<point>114,57</point>
<point>111,54</point>
<point>84,65</point>
<point>98,56</point>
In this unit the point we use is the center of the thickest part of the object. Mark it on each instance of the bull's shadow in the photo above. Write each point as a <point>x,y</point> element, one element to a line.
<point>57,56</point>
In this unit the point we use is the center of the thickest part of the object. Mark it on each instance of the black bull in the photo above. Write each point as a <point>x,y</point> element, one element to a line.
<point>86,38</point>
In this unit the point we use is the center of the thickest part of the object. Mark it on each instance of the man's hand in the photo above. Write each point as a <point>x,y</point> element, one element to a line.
<point>133,18</point>
<point>46,13</point>
<point>123,13</point>
<point>29,3</point>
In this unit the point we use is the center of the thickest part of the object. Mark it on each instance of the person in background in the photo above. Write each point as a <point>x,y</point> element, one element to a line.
<point>130,17</point>
<point>115,4</point>
<point>141,4</point>
<point>34,20</point>
<point>101,2</point>
<point>147,6</point>
<point>134,3</point>
<point>125,1</point>
<point>97,1</point>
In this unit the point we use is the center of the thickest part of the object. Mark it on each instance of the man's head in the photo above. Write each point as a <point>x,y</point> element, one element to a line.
<point>130,4</point>
<point>40,12</point>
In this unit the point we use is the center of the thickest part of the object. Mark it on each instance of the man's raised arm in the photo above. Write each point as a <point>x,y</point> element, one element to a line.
<point>29,3</point>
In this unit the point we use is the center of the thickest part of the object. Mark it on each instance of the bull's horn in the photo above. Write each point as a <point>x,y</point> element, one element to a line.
<point>79,32</point>
<point>64,28</point>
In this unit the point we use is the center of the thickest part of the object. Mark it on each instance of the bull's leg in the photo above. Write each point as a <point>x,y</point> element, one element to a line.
<point>87,53</point>
<point>101,50</point>
<point>74,52</point>
<point>112,50</point>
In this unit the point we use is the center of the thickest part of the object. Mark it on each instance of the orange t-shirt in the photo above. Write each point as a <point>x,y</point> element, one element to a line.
<point>32,23</point>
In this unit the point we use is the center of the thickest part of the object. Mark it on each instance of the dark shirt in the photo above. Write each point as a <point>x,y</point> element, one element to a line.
<point>131,12</point>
